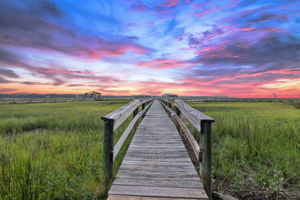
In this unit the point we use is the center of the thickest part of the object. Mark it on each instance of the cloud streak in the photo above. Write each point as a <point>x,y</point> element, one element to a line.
<point>8,73</point>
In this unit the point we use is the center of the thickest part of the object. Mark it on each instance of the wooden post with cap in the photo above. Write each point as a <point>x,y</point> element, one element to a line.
<point>205,164</point>
<point>108,153</point>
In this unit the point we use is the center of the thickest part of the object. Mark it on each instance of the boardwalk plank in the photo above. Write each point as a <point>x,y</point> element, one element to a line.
<point>122,197</point>
<point>157,191</point>
<point>160,182</point>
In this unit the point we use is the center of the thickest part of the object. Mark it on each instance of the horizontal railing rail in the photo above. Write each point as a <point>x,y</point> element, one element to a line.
<point>121,114</point>
<point>114,120</point>
<point>202,123</point>
<point>195,117</point>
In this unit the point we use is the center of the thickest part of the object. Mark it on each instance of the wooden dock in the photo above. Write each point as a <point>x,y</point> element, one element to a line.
<point>157,165</point>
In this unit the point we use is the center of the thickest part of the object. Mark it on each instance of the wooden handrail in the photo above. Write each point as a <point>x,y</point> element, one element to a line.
<point>202,123</point>
<point>194,116</point>
<point>194,144</point>
<point>111,122</point>
<point>121,114</point>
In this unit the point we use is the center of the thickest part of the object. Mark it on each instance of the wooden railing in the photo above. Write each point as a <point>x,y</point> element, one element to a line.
<point>112,121</point>
<point>202,123</point>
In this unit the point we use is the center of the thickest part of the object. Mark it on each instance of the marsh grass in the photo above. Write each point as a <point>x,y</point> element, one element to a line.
<point>255,149</point>
<point>296,104</point>
<point>52,150</point>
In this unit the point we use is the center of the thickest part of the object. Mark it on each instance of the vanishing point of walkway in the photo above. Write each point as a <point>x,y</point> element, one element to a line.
<point>157,165</point>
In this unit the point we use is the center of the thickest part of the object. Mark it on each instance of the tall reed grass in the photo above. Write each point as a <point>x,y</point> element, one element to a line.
<point>256,149</point>
<point>52,150</point>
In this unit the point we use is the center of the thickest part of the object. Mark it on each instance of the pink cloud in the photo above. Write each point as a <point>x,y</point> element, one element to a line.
<point>246,29</point>
<point>161,64</point>
<point>198,14</point>
<point>170,3</point>
<point>265,29</point>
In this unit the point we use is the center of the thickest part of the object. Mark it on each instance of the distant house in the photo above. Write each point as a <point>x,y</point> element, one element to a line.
<point>168,95</point>
<point>96,96</point>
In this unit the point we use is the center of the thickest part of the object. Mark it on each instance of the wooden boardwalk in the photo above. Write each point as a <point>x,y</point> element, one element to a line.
<point>157,165</point>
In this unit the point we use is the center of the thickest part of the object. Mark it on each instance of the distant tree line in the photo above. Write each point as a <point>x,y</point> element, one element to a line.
<point>39,95</point>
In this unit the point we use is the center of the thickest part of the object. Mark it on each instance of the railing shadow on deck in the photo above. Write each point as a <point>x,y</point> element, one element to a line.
<point>202,123</point>
<point>114,120</point>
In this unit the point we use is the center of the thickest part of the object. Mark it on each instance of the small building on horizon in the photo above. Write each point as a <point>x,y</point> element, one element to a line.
<point>96,96</point>
<point>168,95</point>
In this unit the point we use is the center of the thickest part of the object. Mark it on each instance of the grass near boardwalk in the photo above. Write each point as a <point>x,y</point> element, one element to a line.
<point>256,149</point>
<point>52,150</point>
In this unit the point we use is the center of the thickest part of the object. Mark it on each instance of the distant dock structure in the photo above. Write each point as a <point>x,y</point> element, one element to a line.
<point>95,96</point>
<point>168,95</point>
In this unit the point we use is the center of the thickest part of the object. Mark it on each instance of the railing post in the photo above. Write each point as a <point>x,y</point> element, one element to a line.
<point>143,107</point>
<point>108,150</point>
<point>177,111</point>
<point>205,165</point>
<point>135,112</point>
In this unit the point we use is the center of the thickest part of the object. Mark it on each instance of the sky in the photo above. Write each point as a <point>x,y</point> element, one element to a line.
<point>233,48</point>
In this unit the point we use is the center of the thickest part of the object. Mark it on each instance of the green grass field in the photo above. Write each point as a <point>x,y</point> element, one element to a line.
<point>54,150</point>
<point>256,148</point>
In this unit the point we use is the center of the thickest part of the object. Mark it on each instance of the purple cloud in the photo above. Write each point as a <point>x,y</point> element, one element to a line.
<point>8,73</point>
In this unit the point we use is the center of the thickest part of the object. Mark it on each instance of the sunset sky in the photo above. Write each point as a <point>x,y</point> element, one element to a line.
<point>234,48</point>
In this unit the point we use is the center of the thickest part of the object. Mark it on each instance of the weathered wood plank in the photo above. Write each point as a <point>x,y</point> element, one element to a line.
<point>123,197</point>
<point>155,150</point>
<point>168,169</point>
<point>157,177</point>
<point>155,146</point>
<point>163,162</point>
<point>166,192</point>
<point>159,159</point>
<point>156,174</point>
<point>160,182</point>
<point>158,167</point>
